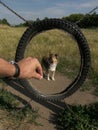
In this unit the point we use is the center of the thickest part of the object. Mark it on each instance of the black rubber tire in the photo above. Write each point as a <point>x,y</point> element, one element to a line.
<point>43,25</point>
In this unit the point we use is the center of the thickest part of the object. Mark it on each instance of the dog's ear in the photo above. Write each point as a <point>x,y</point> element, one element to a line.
<point>56,55</point>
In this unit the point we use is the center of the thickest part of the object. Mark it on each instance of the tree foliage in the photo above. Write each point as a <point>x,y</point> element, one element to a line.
<point>85,21</point>
<point>4,21</point>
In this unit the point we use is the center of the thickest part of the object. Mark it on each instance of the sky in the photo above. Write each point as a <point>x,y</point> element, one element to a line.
<point>32,9</point>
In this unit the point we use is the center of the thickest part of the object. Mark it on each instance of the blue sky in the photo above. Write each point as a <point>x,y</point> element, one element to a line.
<point>32,9</point>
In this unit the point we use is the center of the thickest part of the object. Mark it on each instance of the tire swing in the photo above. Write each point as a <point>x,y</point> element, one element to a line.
<point>49,24</point>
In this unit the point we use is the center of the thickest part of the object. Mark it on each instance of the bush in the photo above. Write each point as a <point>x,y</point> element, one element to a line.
<point>4,21</point>
<point>79,118</point>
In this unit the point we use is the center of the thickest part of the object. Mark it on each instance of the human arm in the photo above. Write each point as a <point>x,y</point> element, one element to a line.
<point>29,67</point>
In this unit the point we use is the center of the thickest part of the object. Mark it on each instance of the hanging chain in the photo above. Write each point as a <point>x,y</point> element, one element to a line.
<point>14,12</point>
<point>86,15</point>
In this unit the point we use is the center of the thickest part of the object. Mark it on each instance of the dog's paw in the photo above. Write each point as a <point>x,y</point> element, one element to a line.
<point>53,78</point>
<point>48,79</point>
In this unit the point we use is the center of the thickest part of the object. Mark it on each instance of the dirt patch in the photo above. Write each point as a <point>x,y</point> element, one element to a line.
<point>50,87</point>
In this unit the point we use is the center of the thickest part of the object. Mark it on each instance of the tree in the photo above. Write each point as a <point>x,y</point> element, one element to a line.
<point>88,20</point>
<point>4,21</point>
<point>74,17</point>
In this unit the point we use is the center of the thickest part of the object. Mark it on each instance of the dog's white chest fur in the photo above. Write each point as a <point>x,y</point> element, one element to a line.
<point>53,67</point>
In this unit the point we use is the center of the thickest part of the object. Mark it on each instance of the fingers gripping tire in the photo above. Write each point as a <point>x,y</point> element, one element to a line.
<point>44,25</point>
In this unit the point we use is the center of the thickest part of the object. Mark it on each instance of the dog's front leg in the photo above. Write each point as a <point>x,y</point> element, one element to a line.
<point>53,74</point>
<point>48,75</point>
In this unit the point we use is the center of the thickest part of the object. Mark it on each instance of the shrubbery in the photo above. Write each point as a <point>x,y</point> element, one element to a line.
<point>4,21</point>
<point>79,118</point>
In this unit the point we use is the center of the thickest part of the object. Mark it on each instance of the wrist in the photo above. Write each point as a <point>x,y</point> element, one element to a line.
<point>16,69</point>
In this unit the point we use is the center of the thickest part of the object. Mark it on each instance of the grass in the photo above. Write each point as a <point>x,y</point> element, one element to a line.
<point>63,44</point>
<point>91,35</point>
<point>69,61</point>
<point>55,41</point>
<point>11,115</point>
<point>9,38</point>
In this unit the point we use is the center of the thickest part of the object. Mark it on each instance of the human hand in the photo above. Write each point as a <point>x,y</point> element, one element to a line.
<point>30,68</point>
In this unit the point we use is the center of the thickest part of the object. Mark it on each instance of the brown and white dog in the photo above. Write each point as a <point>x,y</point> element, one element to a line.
<point>49,65</point>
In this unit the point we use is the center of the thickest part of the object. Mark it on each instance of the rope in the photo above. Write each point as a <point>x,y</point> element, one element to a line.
<point>87,14</point>
<point>14,12</point>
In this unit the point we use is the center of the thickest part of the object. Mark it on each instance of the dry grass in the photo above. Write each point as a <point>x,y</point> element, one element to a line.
<point>92,37</point>
<point>9,38</point>
<point>55,41</point>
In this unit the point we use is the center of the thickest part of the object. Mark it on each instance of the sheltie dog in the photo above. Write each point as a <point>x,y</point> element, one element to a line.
<point>49,64</point>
